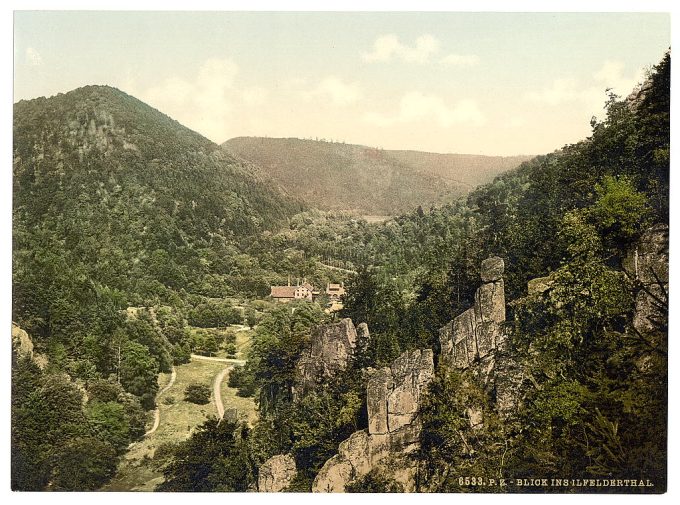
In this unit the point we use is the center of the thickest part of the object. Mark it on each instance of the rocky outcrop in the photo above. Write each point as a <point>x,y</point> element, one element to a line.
<point>393,394</point>
<point>276,473</point>
<point>647,265</point>
<point>22,345</point>
<point>476,340</point>
<point>477,332</point>
<point>393,400</point>
<point>539,285</point>
<point>332,347</point>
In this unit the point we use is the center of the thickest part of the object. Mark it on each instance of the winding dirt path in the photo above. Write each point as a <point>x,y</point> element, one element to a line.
<point>157,412</point>
<point>221,360</point>
<point>217,391</point>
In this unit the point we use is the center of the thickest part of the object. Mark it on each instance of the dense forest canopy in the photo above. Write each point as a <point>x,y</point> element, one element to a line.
<point>117,206</point>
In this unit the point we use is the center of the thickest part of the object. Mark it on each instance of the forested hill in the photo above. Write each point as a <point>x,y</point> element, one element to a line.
<point>112,136</point>
<point>105,172</point>
<point>117,205</point>
<point>470,169</point>
<point>112,196</point>
<point>338,176</point>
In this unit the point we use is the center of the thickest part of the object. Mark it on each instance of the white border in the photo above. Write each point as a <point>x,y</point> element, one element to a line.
<point>6,87</point>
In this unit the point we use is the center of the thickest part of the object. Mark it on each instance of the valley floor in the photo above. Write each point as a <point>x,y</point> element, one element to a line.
<point>141,467</point>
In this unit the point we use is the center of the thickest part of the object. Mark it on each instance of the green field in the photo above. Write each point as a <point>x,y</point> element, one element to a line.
<point>138,471</point>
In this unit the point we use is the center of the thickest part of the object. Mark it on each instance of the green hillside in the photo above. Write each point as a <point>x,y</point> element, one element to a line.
<point>364,180</point>
<point>471,170</point>
<point>110,190</point>
<point>117,205</point>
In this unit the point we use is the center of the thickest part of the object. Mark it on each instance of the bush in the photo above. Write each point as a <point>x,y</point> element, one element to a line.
<point>104,390</point>
<point>206,342</point>
<point>197,393</point>
<point>164,454</point>
<point>243,380</point>
<point>231,351</point>
<point>251,317</point>
<point>181,354</point>
<point>230,337</point>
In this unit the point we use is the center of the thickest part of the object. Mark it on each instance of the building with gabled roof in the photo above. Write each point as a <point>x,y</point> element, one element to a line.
<point>284,294</point>
<point>335,291</point>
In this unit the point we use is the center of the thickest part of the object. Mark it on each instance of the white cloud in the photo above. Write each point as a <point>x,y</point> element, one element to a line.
<point>255,96</point>
<point>205,102</point>
<point>609,76</point>
<point>378,119</point>
<point>514,122</point>
<point>388,47</point>
<point>561,90</point>
<point>460,60</point>
<point>33,58</point>
<point>340,93</point>
<point>172,91</point>
<point>416,106</point>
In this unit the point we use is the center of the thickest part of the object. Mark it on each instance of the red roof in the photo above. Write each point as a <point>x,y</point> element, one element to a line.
<point>283,292</point>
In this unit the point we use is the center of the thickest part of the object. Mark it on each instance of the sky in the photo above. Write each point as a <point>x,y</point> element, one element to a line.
<point>477,83</point>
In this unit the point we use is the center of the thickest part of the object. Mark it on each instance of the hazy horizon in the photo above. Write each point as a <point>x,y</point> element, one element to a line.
<point>498,84</point>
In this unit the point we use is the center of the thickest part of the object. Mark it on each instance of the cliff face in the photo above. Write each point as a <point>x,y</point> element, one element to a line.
<point>477,341</point>
<point>393,400</point>
<point>646,265</point>
<point>22,347</point>
<point>332,348</point>
<point>476,333</point>
<point>276,474</point>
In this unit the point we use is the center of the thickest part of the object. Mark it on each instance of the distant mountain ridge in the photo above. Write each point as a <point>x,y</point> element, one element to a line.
<point>365,180</point>
<point>469,169</point>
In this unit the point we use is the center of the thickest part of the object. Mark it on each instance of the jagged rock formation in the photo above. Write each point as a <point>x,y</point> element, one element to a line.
<point>276,473</point>
<point>393,394</point>
<point>476,333</point>
<point>22,345</point>
<point>477,341</point>
<point>332,347</point>
<point>393,400</point>
<point>647,264</point>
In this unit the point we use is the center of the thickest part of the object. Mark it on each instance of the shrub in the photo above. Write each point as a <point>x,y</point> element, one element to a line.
<point>231,351</point>
<point>197,393</point>
<point>243,380</point>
